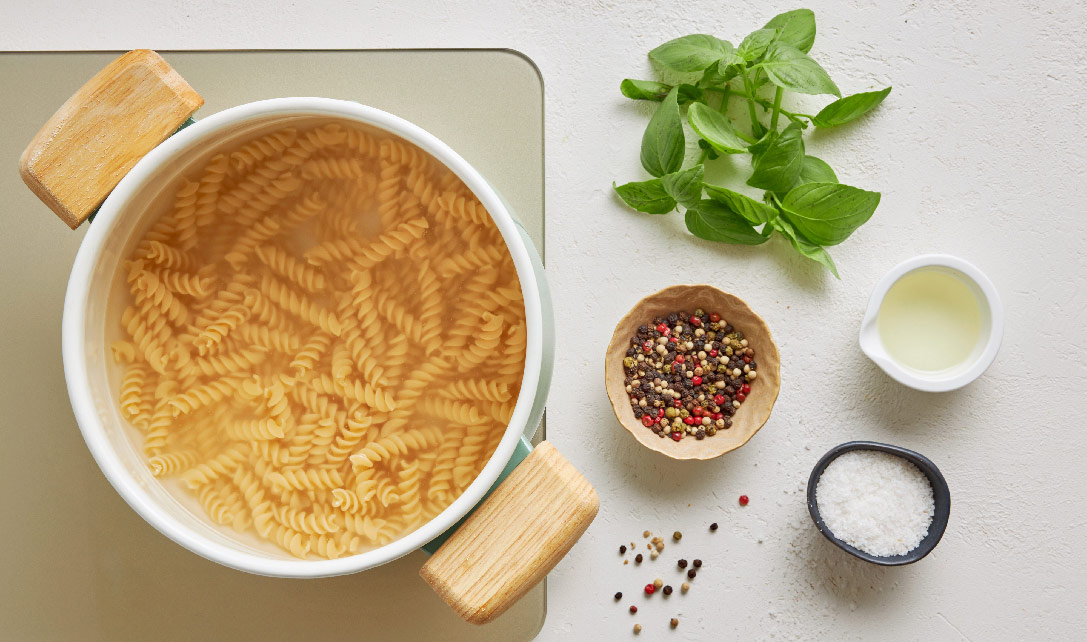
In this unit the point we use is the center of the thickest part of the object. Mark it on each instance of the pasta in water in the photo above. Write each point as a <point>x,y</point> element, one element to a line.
<point>325,338</point>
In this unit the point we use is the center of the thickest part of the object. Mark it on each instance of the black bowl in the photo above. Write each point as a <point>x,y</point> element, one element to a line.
<point>940,494</point>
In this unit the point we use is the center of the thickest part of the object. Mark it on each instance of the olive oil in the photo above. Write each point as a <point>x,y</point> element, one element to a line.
<point>930,320</point>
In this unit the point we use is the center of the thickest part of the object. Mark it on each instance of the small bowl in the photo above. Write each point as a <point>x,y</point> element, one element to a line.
<point>940,494</point>
<point>992,313</point>
<point>752,414</point>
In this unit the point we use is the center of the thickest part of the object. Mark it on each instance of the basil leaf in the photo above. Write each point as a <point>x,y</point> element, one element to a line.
<point>827,213</point>
<point>644,89</point>
<point>662,143</point>
<point>713,221</point>
<point>813,170</point>
<point>689,93</point>
<point>796,28</point>
<point>747,207</point>
<point>653,90</point>
<point>792,69</point>
<point>716,129</point>
<point>711,153</point>
<point>761,145</point>
<point>777,168</point>
<point>690,53</point>
<point>754,45</point>
<point>685,186</point>
<point>849,108</point>
<point>646,196</point>
<point>805,247</point>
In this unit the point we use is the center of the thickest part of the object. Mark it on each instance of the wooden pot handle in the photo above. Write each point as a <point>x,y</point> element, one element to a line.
<point>95,138</point>
<point>514,538</point>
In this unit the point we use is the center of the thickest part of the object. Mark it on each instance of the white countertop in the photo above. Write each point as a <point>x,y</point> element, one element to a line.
<point>977,153</point>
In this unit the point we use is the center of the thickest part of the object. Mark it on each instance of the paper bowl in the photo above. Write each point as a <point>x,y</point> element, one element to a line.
<point>751,415</point>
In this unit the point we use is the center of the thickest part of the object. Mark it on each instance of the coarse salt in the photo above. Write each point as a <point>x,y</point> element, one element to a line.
<point>876,502</point>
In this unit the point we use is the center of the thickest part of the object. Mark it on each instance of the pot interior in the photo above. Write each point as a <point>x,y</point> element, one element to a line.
<point>175,510</point>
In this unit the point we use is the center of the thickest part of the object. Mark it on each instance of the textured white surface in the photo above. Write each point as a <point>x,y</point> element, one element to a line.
<point>978,153</point>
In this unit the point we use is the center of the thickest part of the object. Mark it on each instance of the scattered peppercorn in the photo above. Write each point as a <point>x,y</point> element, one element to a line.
<point>688,379</point>
<point>646,533</point>
<point>684,587</point>
<point>673,623</point>
<point>653,555</point>
<point>637,629</point>
<point>667,590</point>
<point>677,536</point>
<point>697,563</point>
<point>618,595</point>
<point>743,500</point>
<point>638,558</point>
<point>622,549</point>
<point>713,526</point>
<point>682,563</point>
<point>650,589</point>
<point>657,583</point>
<point>633,609</point>
<point>691,573</point>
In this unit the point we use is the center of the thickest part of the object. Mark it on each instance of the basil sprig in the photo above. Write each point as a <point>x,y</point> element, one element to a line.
<point>803,202</point>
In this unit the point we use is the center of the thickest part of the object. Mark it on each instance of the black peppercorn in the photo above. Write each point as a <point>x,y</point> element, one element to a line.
<point>618,596</point>
<point>713,526</point>
<point>691,573</point>
<point>682,563</point>
<point>667,590</point>
<point>698,563</point>
<point>638,558</point>
<point>622,549</point>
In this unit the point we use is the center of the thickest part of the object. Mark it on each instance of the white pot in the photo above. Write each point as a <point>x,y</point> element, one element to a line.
<point>88,327</point>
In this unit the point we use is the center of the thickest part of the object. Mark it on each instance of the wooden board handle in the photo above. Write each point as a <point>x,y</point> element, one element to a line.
<point>95,138</point>
<point>514,538</point>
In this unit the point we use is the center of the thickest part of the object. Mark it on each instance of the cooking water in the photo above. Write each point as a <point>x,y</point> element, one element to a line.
<point>930,320</point>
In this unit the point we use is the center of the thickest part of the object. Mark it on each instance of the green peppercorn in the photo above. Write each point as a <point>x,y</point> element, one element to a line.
<point>628,362</point>
<point>684,413</point>
<point>699,312</point>
<point>670,412</point>
<point>667,368</point>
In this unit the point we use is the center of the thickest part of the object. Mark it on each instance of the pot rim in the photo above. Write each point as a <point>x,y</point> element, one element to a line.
<point>74,340</point>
